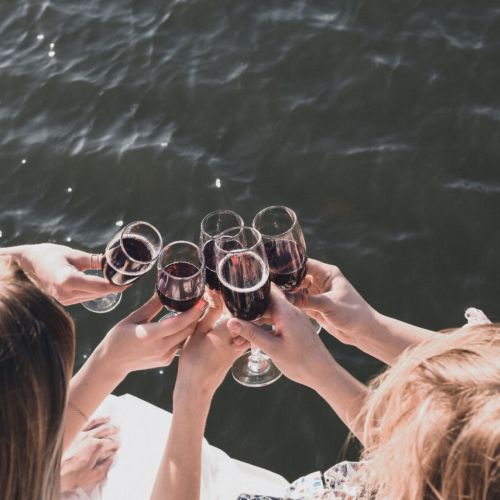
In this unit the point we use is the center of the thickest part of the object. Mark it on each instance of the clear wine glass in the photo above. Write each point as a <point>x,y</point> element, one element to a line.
<point>180,282</point>
<point>285,247</point>
<point>243,273</point>
<point>212,226</point>
<point>130,254</point>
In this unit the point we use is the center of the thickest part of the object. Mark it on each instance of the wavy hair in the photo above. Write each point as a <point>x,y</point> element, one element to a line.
<point>432,421</point>
<point>37,344</point>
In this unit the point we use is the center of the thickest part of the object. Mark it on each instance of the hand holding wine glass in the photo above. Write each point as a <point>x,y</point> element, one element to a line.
<point>130,254</point>
<point>180,282</point>
<point>295,348</point>
<point>59,271</point>
<point>285,247</point>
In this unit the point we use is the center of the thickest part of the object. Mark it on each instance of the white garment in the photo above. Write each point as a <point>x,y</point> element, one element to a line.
<point>144,430</point>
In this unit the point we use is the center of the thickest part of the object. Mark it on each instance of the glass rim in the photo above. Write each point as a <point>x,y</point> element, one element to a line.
<point>238,217</point>
<point>239,250</point>
<point>122,232</point>
<point>272,207</point>
<point>161,268</point>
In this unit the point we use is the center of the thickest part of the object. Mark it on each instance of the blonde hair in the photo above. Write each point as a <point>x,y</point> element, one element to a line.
<point>37,344</point>
<point>432,422</point>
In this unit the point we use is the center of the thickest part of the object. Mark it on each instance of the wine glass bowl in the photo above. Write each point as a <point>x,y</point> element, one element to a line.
<point>180,280</point>
<point>129,254</point>
<point>285,245</point>
<point>212,225</point>
<point>243,273</point>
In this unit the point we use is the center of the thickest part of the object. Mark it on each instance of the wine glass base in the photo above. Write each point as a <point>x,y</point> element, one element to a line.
<point>263,373</point>
<point>103,304</point>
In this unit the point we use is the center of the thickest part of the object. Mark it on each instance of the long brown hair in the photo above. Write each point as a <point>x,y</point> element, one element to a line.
<point>37,344</point>
<point>432,423</point>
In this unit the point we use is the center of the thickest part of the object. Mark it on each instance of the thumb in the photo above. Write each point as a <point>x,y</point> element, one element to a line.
<point>147,311</point>
<point>253,333</point>
<point>304,300</point>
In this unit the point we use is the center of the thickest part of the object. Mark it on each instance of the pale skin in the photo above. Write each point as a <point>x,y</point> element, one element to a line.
<point>339,308</point>
<point>59,271</point>
<point>135,343</point>
<point>90,456</point>
<point>298,352</point>
<point>204,362</point>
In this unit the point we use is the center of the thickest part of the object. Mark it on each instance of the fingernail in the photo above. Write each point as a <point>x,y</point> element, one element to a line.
<point>202,305</point>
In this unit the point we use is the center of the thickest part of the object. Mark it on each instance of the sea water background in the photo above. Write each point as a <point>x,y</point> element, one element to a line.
<point>378,121</point>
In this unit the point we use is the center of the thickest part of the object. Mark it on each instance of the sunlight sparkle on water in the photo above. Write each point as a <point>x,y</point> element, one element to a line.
<point>160,372</point>
<point>218,183</point>
<point>69,190</point>
<point>119,223</point>
<point>23,161</point>
<point>1,233</point>
<point>52,53</point>
<point>68,239</point>
<point>41,36</point>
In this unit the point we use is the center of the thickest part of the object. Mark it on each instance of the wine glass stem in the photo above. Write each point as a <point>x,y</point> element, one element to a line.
<point>257,361</point>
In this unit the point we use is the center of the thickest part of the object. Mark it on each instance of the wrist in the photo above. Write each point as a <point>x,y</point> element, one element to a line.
<point>321,373</point>
<point>188,393</point>
<point>102,361</point>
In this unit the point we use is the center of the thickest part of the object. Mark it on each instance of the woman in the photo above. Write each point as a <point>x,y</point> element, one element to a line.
<point>37,343</point>
<point>429,425</point>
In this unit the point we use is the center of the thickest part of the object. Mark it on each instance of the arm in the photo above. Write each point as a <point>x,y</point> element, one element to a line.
<point>206,358</point>
<point>179,475</point>
<point>133,344</point>
<point>298,352</point>
<point>59,271</point>
<point>339,308</point>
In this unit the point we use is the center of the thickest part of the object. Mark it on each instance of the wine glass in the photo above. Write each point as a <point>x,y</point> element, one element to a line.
<point>180,282</point>
<point>130,254</point>
<point>212,226</point>
<point>243,273</point>
<point>285,247</point>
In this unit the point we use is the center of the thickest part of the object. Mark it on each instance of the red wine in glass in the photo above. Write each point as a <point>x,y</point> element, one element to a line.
<point>130,254</point>
<point>287,265</point>
<point>123,268</point>
<point>210,264</point>
<point>245,285</point>
<point>180,282</point>
<point>179,295</point>
<point>285,245</point>
<point>211,227</point>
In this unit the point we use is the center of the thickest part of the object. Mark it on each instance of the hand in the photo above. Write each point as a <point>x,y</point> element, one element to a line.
<point>136,343</point>
<point>58,270</point>
<point>208,354</point>
<point>295,347</point>
<point>87,461</point>
<point>333,302</point>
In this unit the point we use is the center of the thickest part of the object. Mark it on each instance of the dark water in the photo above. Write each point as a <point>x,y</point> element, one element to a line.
<point>379,122</point>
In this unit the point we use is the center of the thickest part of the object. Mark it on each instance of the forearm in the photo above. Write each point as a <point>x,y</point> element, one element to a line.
<point>88,388</point>
<point>342,392</point>
<point>386,338</point>
<point>179,475</point>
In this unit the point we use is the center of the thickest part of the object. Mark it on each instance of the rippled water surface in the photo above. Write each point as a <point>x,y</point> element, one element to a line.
<point>379,122</point>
